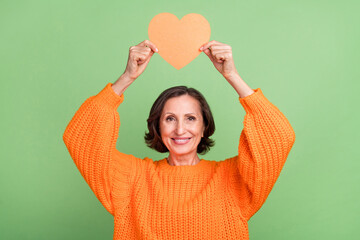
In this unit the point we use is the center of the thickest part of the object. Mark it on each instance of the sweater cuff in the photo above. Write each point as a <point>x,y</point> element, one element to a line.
<point>109,97</point>
<point>255,103</point>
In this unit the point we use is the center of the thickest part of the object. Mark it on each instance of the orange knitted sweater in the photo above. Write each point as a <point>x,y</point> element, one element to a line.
<point>154,200</point>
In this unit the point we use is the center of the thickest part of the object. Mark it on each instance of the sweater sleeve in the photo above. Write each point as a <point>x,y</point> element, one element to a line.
<point>90,138</point>
<point>265,142</point>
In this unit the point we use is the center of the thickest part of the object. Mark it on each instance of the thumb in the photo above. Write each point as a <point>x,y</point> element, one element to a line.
<point>208,53</point>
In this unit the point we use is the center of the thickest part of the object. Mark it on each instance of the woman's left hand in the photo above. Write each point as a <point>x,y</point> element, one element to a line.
<point>221,56</point>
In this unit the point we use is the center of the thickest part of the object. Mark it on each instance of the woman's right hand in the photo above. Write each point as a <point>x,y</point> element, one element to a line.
<point>139,57</point>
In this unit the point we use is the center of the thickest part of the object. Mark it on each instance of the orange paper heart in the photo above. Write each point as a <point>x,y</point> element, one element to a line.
<point>178,41</point>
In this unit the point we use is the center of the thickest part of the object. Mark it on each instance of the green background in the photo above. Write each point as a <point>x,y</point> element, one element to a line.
<point>304,55</point>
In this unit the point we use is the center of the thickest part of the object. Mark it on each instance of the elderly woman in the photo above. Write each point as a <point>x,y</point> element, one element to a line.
<point>181,196</point>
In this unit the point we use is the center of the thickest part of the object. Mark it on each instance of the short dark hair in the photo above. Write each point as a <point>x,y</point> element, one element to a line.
<point>153,137</point>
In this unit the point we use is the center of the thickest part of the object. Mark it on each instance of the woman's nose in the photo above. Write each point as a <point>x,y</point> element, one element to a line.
<point>180,128</point>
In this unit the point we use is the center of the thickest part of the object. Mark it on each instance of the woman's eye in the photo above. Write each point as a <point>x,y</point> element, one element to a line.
<point>191,118</point>
<point>170,119</point>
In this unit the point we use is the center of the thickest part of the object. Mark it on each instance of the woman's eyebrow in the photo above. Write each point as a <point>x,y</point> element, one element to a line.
<point>191,113</point>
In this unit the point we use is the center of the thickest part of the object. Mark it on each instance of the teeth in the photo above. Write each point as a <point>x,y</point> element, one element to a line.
<point>181,140</point>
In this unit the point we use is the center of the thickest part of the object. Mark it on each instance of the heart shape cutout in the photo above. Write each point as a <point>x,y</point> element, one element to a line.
<point>178,41</point>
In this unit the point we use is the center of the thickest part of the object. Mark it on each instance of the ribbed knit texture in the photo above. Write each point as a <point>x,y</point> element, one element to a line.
<point>154,200</point>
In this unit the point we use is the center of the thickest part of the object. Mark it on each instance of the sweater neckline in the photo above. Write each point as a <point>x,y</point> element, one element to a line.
<point>201,166</point>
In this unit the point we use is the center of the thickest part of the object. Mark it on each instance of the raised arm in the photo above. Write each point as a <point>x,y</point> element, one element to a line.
<point>92,133</point>
<point>265,141</point>
<point>90,138</point>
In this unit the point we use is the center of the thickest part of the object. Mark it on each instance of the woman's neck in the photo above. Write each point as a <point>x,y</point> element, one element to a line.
<point>183,160</point>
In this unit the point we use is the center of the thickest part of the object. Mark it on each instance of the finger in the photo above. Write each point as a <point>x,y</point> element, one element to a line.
<point>220,58</point>
<point>222,51</point>
<point>143,50</point>
<point>224,56</point>
<point>216,52</point>
<point>220,47</point>
<point>143,57</point>
<point>149,44</point>
<point>144,61</point>
<point>139,57</point>
<point>209,44</point>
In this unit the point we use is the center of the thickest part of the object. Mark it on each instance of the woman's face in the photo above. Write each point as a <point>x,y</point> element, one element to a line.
<point>181,125</point>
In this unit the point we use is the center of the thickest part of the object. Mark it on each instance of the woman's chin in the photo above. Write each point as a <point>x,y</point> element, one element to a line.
<point>184,147</point>
<point>181,150</point>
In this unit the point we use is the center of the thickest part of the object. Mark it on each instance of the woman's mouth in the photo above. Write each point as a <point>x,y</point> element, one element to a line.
<point>180,141</point>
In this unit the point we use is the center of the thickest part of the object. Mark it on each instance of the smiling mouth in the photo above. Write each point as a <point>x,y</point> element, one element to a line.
<point>181,140</point>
